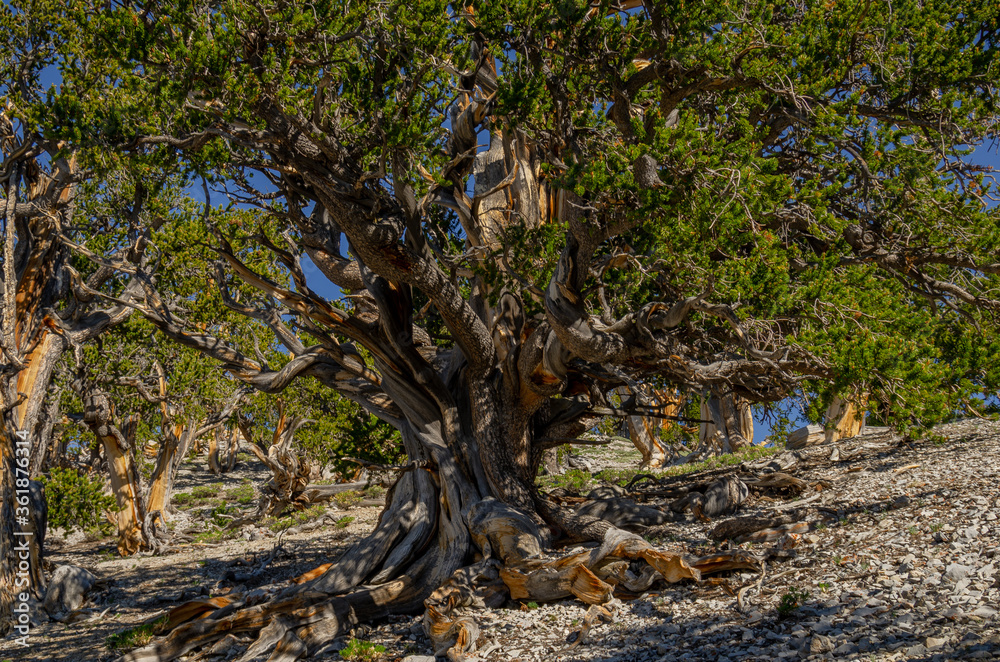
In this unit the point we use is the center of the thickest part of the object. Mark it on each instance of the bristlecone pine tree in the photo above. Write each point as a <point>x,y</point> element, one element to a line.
<point>50,300</point>
<point>544,202</point>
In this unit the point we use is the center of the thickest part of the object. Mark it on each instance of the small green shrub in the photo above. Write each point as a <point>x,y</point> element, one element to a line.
<point>242,495</point>
<point>344,522</point>
<point>791,601</point>
<point>308,514</point>
<point>137,636</point>
<point>205,491</point>
<point>183,498</point>
<point>357,650</point>
<point>212,537</point>
<point>218,515</point>
<point>348,499</point>
<point>76,502</point>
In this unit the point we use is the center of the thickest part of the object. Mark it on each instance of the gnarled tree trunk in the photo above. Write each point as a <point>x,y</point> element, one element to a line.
<point>31,341</point>
<point>732,422</point>
<point>119,450</point>
<point>844,418</point>
<point>290,470</point>
<point>646,432</point>
<point>139,510</point>
<point>476,413</point>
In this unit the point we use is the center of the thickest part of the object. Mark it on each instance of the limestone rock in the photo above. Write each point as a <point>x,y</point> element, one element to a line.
<point>68,589</point>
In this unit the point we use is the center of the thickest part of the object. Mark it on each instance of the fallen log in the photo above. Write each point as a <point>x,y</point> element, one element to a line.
<point>736,528</point>
<point>721,497</point>
<point>624,513</point>
<point>809,435</point>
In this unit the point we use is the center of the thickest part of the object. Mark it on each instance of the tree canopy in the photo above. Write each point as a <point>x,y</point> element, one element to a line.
<point>528,205</point>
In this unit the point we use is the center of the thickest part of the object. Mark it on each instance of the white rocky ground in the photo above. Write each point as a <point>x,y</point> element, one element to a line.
<point>900,562</point>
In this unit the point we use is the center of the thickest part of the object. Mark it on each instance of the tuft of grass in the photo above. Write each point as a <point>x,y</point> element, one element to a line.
<point>206,491</point>
<point>203,495</point>
<point>358,650</point>
<point>343,522</point>
<point>300,517</point>
<point>135,637</point>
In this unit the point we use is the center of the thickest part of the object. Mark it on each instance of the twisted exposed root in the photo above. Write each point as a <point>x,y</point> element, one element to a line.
<point>592,576</point>
<point>303,618</point>
<point>595,614</point>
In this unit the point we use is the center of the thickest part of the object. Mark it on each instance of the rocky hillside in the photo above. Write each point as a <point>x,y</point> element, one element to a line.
<point>889,552</point>
<point>873,548</point>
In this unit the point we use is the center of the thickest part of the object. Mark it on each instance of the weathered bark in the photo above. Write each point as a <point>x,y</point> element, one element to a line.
<point>844,418</point>
<point>646,432</point>
<point>220,462</point>
<point>213,453</point>
<point>290,470</point>
<point>808,435</point>
<point>168,460</point>
<point>228,463</point>
<point>30,343</point>
<point>100,417</point>
<point>732,422</point>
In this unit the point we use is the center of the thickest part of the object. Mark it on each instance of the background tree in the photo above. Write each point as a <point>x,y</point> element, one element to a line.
<point>738,197</point>
<point>51,300</point>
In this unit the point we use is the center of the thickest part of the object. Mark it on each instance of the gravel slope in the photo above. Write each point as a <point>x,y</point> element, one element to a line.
<point>899,562</point>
